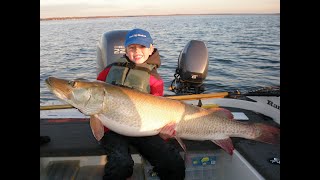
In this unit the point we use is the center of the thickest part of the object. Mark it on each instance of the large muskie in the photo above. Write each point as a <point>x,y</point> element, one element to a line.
<point>133,113</point>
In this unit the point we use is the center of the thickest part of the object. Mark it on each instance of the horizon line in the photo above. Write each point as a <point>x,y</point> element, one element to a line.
<point>93,17</point>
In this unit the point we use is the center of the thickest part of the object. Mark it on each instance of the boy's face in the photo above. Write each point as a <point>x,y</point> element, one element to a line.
<point>138,53</point>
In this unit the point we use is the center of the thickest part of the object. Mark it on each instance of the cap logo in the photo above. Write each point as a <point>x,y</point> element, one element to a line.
<point>136,35</point>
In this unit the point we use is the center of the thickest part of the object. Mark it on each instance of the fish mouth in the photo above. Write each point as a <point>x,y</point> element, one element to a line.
<point>59,87</point>
<point>48,82</point>
<point>56,82</point>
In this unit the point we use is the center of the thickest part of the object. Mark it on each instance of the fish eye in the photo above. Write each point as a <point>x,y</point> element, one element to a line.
<point>72,83</point>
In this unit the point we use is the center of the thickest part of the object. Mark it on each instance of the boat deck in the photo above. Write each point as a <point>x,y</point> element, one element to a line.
<point>73,137</point>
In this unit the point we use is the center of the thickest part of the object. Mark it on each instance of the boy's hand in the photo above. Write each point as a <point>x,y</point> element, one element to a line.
<point>168,131</point>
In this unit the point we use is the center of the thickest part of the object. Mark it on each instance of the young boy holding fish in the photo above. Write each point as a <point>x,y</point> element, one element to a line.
<point>137,69</point>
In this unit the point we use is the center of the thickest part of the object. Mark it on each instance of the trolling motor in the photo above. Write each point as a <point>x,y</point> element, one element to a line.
<point>192,69</point>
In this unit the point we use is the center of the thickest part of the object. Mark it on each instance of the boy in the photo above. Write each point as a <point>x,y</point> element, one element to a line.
<point>137,69</point>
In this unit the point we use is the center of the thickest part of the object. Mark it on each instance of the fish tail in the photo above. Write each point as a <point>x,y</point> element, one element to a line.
<point>267,134</point>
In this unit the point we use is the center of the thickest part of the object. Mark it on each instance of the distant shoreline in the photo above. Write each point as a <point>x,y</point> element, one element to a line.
<point>97,17</point>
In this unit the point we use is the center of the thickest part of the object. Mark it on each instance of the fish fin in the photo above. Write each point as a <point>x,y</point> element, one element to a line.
<point>97,128</point>
<point>181,143</point>
<point>267,134</point>
<point>222,112</point>
<point>225,144</point>
<point>169,131</point>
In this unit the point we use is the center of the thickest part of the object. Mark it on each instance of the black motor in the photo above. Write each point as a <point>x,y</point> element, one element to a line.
<point>192,69</point>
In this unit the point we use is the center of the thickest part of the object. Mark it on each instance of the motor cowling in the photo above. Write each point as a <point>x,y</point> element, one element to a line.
<point>192,69</point>
<point>193,62</point>
<point>110,47</point>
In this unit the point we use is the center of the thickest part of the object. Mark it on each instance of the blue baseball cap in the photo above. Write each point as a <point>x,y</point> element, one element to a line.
<point>138,36</point>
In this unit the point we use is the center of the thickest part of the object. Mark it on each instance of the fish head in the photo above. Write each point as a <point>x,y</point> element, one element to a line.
<point>84,95</point>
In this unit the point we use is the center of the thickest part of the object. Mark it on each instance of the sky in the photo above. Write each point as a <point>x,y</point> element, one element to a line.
<point>83,8</point>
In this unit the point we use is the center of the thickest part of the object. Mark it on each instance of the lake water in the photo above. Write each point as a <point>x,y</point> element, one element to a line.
<point>244,50</point>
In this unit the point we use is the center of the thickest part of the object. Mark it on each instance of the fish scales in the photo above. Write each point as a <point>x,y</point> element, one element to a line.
<point>136,109</point>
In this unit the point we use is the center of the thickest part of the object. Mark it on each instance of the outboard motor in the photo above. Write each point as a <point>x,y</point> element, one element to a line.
<point>192,69</point>
<point>110,48</point>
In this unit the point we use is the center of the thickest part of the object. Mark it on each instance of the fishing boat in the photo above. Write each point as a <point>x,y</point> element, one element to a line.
<point>68,149</point>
